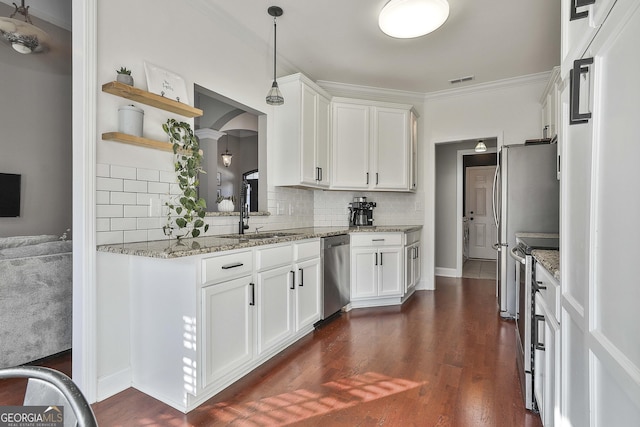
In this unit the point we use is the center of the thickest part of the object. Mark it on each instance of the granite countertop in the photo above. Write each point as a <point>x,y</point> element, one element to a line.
<point>549,259</point>
<point>171,248</point>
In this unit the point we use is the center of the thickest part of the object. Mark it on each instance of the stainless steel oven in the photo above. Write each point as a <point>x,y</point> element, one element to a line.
<point>524,272</point>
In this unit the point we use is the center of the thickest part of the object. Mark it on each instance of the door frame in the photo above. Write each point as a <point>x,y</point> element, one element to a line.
<point>459,197</point>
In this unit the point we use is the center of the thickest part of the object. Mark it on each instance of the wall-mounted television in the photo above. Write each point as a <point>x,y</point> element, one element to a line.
<point>10,194</point>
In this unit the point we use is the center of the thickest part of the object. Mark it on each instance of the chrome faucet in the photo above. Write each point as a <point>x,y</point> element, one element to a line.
<point>244,209</point>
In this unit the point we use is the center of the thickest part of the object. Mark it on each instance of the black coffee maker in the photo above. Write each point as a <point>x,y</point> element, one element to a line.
<point>361,212</point>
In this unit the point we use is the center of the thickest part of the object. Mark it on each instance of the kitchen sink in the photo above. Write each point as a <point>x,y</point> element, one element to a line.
<point>259,236</point>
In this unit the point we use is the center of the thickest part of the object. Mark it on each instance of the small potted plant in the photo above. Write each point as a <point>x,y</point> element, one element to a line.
<point>226,203</point>
<point>124,76</point>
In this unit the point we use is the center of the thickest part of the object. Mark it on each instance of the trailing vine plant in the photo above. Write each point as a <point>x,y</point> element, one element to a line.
<point>187,211</point>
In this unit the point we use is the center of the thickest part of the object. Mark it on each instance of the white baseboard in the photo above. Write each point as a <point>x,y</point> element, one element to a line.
<point>446,272</point>
<point>113,384</point>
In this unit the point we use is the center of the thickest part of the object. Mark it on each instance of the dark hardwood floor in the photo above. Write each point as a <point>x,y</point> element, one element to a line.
<point>444,358</point>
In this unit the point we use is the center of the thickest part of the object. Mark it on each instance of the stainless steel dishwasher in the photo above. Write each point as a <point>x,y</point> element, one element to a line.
<point>336,274</point>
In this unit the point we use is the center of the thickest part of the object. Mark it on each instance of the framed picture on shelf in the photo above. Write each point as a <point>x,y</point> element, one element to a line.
<point>165,83</point>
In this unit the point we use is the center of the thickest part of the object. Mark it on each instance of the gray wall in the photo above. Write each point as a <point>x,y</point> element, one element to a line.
<point>446,239</point>
<point>35,119</point>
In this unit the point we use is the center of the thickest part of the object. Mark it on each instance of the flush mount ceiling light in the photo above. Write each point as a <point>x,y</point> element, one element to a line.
<point>274,97</point>
<point>480,147</point>
<point>406,19</point>
<point>23,35</point>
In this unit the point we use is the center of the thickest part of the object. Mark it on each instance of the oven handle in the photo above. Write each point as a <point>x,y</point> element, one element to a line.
<point>514,252</point>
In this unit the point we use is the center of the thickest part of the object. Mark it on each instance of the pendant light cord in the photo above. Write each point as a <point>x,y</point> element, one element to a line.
<point>275,41</point>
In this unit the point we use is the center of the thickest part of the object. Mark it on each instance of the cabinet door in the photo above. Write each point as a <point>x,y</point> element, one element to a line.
<point>364,269</point>
<point>350,146</point>
<point>274,293</point>
<point>228,327</point>
<point>307,303</point>
<point>390,271</point>
<point>323,172</point>
<point>408,274</point>
<point>414,152</point>
<point>308,135</point>
<point>391,149</point>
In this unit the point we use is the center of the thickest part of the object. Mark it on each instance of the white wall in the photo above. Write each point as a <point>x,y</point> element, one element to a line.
<point>510,109</point>
<point>35,118</point>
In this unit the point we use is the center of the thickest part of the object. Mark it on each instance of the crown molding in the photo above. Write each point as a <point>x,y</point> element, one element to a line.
<point>348,90</point>
<point>207,133</point>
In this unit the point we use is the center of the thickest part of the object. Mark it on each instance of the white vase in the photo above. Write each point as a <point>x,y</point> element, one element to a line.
<point>225,206</point>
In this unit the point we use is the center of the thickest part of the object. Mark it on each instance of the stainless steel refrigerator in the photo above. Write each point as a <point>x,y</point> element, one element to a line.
<point>526,198</point>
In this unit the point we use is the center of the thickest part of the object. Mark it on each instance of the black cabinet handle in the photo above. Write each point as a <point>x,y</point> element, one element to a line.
<point>234,265</point>
<point>293,279</point>
<point>253,294</point>
<point>301,277</point>
<point>321,175</point>
<point>376,178</point>
<point>536,321</point>
<point>376,255</point>
<point>538,286</point>
<point>575,4</point>
<point>367,178</point>
<point>380,258</point>
<point>580,66</point>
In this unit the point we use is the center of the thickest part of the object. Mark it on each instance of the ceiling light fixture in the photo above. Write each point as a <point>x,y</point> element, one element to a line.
<point>274,97</point>
<point>406,19</point>
<point>480,146</point>
<point>226,156</point>
<point>23,36</point>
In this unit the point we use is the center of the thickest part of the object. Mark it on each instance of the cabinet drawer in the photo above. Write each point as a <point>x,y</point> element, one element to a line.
<point>306,249</point>
<point>376,239</point>
<point>222,267</point>
<point>273,256</point>
<point>550,295</point>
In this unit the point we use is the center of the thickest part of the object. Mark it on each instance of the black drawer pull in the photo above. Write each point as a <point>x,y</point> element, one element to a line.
<point>293,279</point>
<point>234,265</point>
<point>575,4</point>
<point>253,294</point>
<point>301,277</point>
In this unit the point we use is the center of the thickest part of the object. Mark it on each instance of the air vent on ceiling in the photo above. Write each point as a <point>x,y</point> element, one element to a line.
<point>461,79</point>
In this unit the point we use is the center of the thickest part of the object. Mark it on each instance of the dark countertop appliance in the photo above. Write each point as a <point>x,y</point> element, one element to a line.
<point>361,212</point>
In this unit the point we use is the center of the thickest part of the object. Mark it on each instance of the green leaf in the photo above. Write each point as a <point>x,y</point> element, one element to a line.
<point>195,232</point>
<point>181,222</point>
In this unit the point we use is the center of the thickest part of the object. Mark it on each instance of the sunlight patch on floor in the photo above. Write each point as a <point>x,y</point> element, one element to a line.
<point>302,404</point>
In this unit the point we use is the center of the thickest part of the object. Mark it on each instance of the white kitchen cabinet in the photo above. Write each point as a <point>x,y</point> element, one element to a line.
<point>412,261</point>
<point>372,145</point>
<point>550,101</point>
<point>377,269</point>
<point>230,347</point>
<point>301,144</point>
<point>288,296</point>
<point>599,362</point>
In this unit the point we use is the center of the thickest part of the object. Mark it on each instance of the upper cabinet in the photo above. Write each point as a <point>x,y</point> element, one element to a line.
<point>373,145</point>
<point>301,143</point>
<point>550,105</point>
<point>581,20</point>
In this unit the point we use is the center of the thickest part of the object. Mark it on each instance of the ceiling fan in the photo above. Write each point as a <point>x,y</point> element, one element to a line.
<point>23,36</point>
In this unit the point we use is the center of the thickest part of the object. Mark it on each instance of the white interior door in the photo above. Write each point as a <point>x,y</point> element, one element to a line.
<point>482,230</point>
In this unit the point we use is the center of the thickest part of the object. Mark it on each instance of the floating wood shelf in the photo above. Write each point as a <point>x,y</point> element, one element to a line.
<point>139,141</point>
<point>148,98</point>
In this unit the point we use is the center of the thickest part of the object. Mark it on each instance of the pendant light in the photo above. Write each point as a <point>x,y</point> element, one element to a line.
<point>23,35</point>
<point>226,156</point>
<point>274,97</point>
<point>406,19</point>
<point>480,147</point>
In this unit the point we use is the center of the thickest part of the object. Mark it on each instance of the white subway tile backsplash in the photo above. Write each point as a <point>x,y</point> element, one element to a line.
<point>166,176</point>
<point>103,224</point>
<point>119,198</point>
<point>135,186</point>
<point>148,175</point>
<point>102,170</point>
<point>124,172</point>
<point>109,184</point>
<point>135,236</point>
<point>109,238</point>
<point>148,223</point>
<point>158,187</point>
<point>103,197</point>
<point>109,211</point>
<point>136,211</point>
<point>123,224</point>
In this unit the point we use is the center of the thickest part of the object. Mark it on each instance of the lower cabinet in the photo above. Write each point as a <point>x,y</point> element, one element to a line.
<point>412,261</point>
<point>202,322</point>
<point>231,347</point>
<point>377,271</point>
